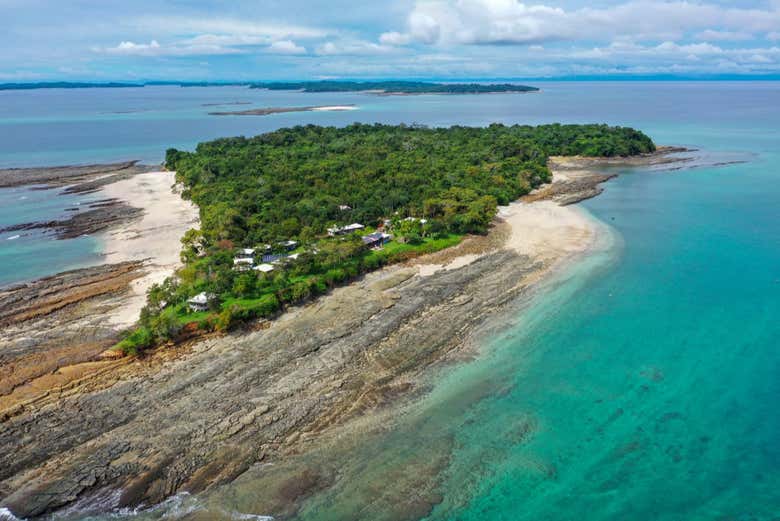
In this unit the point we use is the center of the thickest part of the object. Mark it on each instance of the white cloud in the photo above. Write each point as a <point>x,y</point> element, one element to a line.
<point>355,48</point>
<point>286,47</point>
<point>394,38</point>
<point>450,22</point>
<point>227,27</point>
<point>153,48</point>
<point>773,36</point>
<point>711,35</point>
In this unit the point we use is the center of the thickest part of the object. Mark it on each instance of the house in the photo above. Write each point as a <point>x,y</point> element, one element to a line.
<point>289,245</point>
<point>344,207</point>
<point>273,258</point>
<point>263,268</point>
<point>376,240</point>
<point>200,302</point>
<point>242,263</point>
<point>245,253</point>
<point>350,228</point>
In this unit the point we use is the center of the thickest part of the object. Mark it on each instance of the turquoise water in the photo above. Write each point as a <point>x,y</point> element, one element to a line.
<point>645,384</point>
<point>77,126</point>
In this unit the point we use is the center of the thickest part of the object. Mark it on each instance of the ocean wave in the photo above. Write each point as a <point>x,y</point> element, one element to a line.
<point>7,515</point>
<point>11,238</point>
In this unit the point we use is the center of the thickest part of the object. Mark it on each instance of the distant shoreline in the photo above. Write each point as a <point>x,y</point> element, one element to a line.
<point>384,88</point>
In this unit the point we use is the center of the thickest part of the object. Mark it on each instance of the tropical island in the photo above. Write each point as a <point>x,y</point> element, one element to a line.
<point>329,275</point>
<point>287,215</point>
<point>376,87</point>
<point>395,87</point>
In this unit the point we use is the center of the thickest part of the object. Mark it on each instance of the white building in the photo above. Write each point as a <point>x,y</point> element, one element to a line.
<point>200,302</point>
<point>242,263</point>
<point>350,228</point>
<point>246,253</point>
<point>263,268</point>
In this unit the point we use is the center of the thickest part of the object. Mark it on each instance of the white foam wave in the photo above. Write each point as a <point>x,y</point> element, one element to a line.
<point>7,515</point>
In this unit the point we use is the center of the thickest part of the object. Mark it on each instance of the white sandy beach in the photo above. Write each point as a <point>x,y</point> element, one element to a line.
<point>155,238</point>
<point>335,108</point>
<point>542,230</point>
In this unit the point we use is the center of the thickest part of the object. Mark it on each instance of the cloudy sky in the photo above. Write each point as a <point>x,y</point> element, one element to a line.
<point>303,39</point>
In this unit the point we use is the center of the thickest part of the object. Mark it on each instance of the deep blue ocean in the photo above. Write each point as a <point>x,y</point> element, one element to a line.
<point>643,384</point>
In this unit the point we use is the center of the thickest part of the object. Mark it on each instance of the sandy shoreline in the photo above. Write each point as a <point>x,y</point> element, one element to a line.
<point>155,238</point>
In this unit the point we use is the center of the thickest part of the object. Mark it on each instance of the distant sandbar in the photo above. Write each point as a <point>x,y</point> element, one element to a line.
<point>278,110</point>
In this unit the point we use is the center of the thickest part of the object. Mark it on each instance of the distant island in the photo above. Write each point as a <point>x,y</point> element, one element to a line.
<point>66,85</point>
<point>386,88</point>
<point>266,111</point>
<point>396,87</point>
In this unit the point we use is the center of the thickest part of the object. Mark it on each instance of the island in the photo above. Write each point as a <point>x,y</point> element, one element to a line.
<point>396,87</point>
<point>331,274</point>
<point>267,111</point>
<point>384,88</point>
<point>285,216</point>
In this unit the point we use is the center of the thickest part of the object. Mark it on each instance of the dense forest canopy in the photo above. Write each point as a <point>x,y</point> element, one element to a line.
<point>397,87</point>
<point>290,183</point>
<point>273,208</point>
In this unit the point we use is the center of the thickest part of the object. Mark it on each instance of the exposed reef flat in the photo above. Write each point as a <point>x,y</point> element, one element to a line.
<point>80,179</point>
<point>98,216</point>
<point>129,431</point>
<point>578,178</point>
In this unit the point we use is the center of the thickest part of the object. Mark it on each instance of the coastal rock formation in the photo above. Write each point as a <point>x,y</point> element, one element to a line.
<point>245,397</point>
<point>55,322</point>
<point>100,216</point>
<point>73,176</point>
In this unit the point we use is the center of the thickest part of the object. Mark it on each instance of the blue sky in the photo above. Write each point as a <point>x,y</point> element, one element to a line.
<point>297,39</point>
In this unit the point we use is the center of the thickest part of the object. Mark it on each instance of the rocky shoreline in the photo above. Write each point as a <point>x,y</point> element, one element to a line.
<point>79,179</point>
<point>95,216</point>
<point>103,434</point>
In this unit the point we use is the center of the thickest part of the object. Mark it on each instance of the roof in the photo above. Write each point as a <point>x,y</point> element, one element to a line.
<point>246,251</point>
<point>265,268</point>
<point>273,257</point>
<point>242,260</point>
<point>201,298</point>
<point>353,226</point>
<point>376,236</point>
